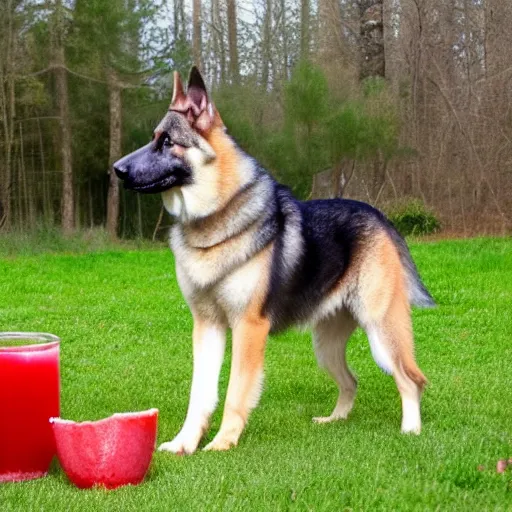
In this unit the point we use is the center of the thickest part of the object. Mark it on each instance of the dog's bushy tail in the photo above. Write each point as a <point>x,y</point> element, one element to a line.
<point>418,293</point>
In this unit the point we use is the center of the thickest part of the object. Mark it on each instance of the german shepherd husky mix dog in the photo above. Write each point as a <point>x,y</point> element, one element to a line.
<point>251,257</point>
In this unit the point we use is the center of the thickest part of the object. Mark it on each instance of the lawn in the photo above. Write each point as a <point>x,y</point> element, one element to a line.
<point>126,345</point>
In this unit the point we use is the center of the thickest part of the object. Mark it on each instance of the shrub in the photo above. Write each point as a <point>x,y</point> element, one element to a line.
<point>413,218</point>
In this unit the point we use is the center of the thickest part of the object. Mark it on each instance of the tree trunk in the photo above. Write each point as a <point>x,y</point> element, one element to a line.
<point>139,216</point>
<point>7,112</point>
<point>371,39</point>
<point>305,36</point>
<point>176,25</point>
<point>23,180</point>
<point>68,218</point>
<point>91,209</point>
<point>498,37</point>
<point>114,154</point>
<point>234,69</point>
<point>265,43</point>
<point>47,203</point>
<point>331,42</point>
<point>61,78</point>
<point>219,47</point>
<point>284,31</point>
<point>19,207</point>
<point>196,33</point>
<point>78,221</point>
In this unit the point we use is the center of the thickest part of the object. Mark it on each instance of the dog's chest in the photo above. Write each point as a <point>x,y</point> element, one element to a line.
<point>227,294</point>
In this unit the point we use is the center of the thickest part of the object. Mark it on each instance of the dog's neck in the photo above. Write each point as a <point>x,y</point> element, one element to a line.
<point>247,207</point>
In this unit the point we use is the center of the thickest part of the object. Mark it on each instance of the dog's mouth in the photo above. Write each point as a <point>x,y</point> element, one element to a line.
<point>152,188</point>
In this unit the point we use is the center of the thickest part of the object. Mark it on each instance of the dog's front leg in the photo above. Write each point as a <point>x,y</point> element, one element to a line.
<point>209,343</point>
<point>245,380</point>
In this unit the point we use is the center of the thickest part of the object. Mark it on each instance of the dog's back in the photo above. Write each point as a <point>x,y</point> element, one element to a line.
<point>318,243</point>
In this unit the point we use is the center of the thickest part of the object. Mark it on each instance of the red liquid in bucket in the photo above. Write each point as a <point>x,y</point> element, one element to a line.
<point>29,397</point>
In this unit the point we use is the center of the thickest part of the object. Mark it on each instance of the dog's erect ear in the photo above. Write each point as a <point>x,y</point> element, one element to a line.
<point>196,90</point>
<point>178,94</point>
<point>202,108</point>
<point>197,108</point>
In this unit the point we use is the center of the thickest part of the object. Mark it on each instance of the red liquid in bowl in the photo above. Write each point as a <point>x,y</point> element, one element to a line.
<point>29,397</point>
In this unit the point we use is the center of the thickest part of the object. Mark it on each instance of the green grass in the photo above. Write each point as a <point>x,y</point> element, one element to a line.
<point>49,239</point>
<point>126,345</point>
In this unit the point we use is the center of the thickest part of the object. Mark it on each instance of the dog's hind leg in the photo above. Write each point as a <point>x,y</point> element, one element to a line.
<point>330,337</point>
<point>209,343</point>
<point>384,313</point>
<point>392,347</point>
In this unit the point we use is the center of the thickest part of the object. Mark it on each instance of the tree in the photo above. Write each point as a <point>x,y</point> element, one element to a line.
<point>59,34</point>
<point>234,68</point>
<point>266,44</point>
<point>196,36</point>
<point>219,75</point>
<point>107,38</point>
<point>7,106</point>
<point>115,108</point>
<point>305,36</point>
<point>371,39</point>
<point>427,75</point>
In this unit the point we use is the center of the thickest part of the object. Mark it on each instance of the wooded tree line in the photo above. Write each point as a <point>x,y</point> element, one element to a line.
<point>380,100</point>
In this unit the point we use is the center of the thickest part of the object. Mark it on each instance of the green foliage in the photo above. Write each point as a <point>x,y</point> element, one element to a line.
<point>294,128</point>
<point>364,128</point>
<point>373,86</point>
<point>343,131</point>
<point>306,95</point>
<point>90,129</point>
<point>313,132</point>
<point>107,34</point>
<point>411,217</point>
<point>32,94</point>
<point>180,56</point>
<point>241,109</point>
<point>106,38</point>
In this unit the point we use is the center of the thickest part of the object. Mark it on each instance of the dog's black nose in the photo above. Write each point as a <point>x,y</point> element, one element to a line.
<point>121,170</point>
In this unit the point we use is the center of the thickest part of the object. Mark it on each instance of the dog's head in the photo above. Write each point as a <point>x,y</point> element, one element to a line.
<point>180,142</point>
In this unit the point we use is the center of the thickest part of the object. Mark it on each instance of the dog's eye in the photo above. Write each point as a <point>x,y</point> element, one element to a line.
<point>168,143</point>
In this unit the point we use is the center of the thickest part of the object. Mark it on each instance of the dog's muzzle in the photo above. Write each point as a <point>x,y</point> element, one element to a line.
<point>150,171</point>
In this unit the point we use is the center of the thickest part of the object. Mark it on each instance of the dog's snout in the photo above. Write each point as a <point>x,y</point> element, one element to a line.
<point>127,165</point>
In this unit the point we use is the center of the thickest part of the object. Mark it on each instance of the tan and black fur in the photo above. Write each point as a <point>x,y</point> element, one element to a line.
<point>252,258</point>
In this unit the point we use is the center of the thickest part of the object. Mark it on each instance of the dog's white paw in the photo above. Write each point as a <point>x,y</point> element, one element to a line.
<point>341,412</point>
<point>180,445</point>
<point>414,428</point>
<point>411,418</point>
<point>221,443</point>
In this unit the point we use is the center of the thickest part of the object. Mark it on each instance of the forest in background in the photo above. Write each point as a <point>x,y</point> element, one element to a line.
<point>393,102</point>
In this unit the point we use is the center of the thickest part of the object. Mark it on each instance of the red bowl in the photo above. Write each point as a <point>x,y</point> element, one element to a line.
<point>111,452</point>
